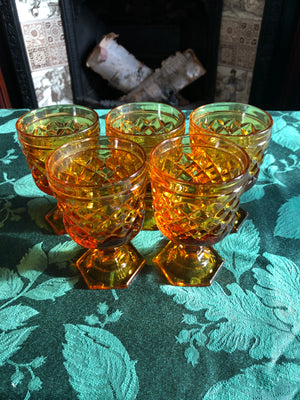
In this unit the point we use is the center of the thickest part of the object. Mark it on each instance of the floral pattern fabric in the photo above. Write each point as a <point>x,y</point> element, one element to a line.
<point>236,339</point>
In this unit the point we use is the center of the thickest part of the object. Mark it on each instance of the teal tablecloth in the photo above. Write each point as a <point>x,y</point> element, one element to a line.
<point>237,339</point>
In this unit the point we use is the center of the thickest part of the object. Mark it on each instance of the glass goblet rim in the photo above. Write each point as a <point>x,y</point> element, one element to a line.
<point>88,146</point>
<point>62,111</point>
<point>167,177</point>
<point>239,107</point>
<point>118,110</point>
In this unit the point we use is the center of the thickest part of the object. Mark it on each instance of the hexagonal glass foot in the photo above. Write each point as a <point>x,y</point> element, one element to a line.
<point>110,268</point>
<point>189,266</point>
<point>55,220</point>
<point>240,216</point>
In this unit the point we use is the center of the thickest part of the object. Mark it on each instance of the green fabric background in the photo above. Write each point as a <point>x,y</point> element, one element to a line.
<point>238,338</point>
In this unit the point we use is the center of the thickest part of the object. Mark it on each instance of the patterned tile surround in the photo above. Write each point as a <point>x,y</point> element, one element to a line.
<point>240,29</point>
<point>44,40</point>
<point>46,50</point>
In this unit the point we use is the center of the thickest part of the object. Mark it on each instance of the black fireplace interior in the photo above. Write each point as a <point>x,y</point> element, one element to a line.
<point>151,30</point>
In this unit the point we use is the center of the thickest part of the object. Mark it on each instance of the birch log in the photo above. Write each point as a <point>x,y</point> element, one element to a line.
<point>116,65</point>
<point>176,72</point>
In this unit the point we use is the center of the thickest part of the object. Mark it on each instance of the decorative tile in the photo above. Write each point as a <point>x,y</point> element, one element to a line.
<point>245,58</point>
<point>45,44</point>
<point>238,42</point>
<point>239,35</point>
<point>33,34</point>
<point>52,86</point>
<point>233,84</point>
<point>58,54</point>
<point>38,58</point>
<point>54,31</point>
<point>249,9</point>
<point>37,9</point>
<point>227,55</point>
<point>44,40</point>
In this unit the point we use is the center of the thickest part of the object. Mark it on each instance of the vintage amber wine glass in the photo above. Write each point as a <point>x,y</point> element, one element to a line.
<point>42,130</point>
<point>146,123</point>
<point>100,185</point>
<point>246,125</point>
<point>196,186</point>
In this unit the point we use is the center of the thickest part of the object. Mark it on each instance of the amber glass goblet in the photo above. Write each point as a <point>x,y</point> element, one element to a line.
<point>196,187</point>
<point>100,185</point>
<point>146,123</point>
<point>45,129</point>
<point>246,125</point>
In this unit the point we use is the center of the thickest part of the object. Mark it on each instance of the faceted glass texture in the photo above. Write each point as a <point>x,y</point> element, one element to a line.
<point>146,123</point>
<point>196,183</point>
<point>100,186</point>
<point>246,125</point>
<point>45,129</point>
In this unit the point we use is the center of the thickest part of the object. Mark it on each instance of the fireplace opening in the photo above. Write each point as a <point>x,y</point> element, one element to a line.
<point>152,31</point>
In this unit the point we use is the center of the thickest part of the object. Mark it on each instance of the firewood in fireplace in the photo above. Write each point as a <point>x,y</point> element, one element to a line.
<point>139,82</point>
<point>176,72</point>
<point>116,65</point>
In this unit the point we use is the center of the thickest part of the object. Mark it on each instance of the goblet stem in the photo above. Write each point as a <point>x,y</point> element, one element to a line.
<point>189,265</point>
<point>55,220</point>
<point>240,216</point>
<point>149,221</point>
<point>113,268</point>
